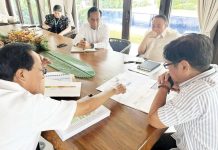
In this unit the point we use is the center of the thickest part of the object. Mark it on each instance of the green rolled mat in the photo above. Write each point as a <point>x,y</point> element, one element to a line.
<point>68,64</point>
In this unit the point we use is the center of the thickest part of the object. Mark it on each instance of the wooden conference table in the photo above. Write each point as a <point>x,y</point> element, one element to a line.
<point>125,129</point>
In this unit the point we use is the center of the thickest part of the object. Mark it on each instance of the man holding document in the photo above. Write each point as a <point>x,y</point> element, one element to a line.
<point>24,110</point>
<point>194,111</point>
<point>93,34</point>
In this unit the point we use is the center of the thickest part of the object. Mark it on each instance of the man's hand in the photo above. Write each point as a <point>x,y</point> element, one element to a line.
<point>152,34</point>
<point>45,26</point>
<point>45,61</point>
<point>84,44</point>
<point>1,44</point>
<point>164,80</point>
<point>120,89</point>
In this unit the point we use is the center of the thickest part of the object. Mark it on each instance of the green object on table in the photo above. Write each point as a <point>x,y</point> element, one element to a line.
<point>68,64</point>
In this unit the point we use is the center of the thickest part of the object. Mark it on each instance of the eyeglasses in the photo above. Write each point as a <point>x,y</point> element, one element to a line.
<point>44,70</point>
<point>167,64</point>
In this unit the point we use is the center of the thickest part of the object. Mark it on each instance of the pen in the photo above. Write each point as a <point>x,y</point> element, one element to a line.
<point>137,62</point>
<point>60,86</point>
<point>84,39</point>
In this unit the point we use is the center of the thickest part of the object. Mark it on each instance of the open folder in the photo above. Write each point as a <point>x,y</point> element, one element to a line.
<point>55,88</point>
<point>80,50</point>
<point>81,123</point>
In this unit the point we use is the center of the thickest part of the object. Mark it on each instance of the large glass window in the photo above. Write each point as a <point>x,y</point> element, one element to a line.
<point>82,9</point>
<point>25,11</point>
<point>184,16</point>
<point>34,12</point>
<point>142,13</point>
<point>112,13</point>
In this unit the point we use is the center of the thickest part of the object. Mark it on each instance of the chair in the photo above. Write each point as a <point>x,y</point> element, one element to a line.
<point>120,45</point>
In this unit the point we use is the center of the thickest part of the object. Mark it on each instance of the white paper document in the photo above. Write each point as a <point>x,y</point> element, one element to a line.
<point>59,76</point>
<point>80,50</point>
<point>55,88</point>
<point>81,123</point>
<point>140,90</point>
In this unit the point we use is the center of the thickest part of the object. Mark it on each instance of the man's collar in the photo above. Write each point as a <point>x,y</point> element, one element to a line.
<point>212,70</point>
<point>9,85</point>
<point>163,34</point>
<point>100,24</point>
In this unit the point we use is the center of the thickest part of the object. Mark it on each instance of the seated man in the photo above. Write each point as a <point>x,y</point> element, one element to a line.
<point>93,34</point>
<point>154,41</point>
<point>24,110</point>
<point>56,22</point>
<point>194,111</point>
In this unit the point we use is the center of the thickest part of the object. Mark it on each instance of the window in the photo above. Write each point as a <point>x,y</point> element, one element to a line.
<point>142,13</point>
<point>112,13</point>
<point>184,16</point>
<point>82,9</point>
<point>25,11</point>
<point>34,12</point>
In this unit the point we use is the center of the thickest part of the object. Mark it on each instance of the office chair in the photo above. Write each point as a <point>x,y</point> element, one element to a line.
<point>120,45</point>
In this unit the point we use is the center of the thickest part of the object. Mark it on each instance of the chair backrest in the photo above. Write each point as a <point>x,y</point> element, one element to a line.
<point>120,45</point>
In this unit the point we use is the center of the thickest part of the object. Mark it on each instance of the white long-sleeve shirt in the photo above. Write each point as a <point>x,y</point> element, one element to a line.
<point>98,37</point>
<point>23,116</point>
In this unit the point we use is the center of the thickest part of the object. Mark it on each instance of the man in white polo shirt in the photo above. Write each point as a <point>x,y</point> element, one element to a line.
<point>24,110</point>
<point>194,111</point>
<point>93,34</point>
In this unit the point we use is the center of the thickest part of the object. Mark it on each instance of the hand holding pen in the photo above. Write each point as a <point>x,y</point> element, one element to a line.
<point>84,45</point>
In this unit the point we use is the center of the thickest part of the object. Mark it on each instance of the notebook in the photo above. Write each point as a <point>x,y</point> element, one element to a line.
<point>148,65</point>
<point>80,50</point>
<point>81,123</point>
<point>55,88</point>
<point>59,76</point>
<point>59,84</point>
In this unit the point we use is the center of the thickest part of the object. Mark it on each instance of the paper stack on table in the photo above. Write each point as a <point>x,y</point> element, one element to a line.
<point>58,84</point>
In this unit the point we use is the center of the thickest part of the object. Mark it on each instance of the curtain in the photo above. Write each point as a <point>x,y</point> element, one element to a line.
<point>3,8</point>
<point>42,6</point>
<point>68,7</point>
<point>208,16</point>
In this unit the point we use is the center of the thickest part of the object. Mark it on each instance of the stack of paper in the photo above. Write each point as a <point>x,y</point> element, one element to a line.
<point>59,76</point>
<point>58,84</point>
<point>79,124</point>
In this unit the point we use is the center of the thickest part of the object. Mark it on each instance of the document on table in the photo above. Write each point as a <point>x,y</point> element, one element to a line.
<point>75,49</point>
<point>55,88</point>
<point>140,90</point>
<point>81,123</point>
<point>59,76</point>
<point>59,84</point>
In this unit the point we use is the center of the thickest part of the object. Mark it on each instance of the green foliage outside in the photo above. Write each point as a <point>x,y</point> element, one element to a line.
<point>134,38</point>
<point>184,4</point>
<point>25,11</point>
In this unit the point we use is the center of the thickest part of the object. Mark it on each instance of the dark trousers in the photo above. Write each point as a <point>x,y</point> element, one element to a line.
<point>38,148</point>
<point>165,142</point>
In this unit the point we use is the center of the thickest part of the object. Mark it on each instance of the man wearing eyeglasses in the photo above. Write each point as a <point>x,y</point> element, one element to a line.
<point>194,111</point>
<point>24,110</point>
